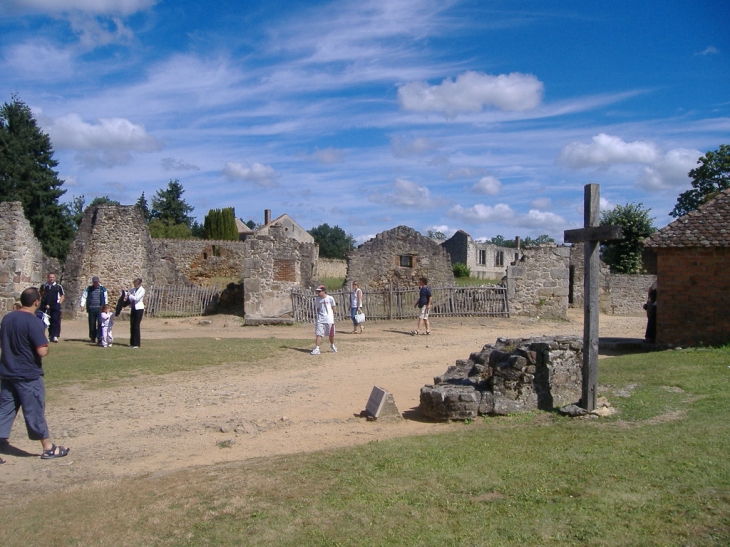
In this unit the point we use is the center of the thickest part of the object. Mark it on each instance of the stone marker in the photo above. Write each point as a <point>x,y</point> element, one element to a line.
<point>381,405</point>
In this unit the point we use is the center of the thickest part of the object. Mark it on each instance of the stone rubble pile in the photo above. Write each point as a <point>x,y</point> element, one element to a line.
<point>512,375</point>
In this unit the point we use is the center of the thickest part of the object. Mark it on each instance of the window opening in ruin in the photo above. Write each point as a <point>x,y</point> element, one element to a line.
<point>205,256</point>
<point>482,256</point>
<point>499,258</point>
<point>406,261</point>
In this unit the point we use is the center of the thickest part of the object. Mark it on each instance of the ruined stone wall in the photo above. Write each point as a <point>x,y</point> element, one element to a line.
<point>618,294</point>
<point>180,261</point>
<point>21,257</point>
<point>537,285</point>
<point>484,259</point>
<point>512,375</point>
<point>377,263</point>
<point>113,243</point>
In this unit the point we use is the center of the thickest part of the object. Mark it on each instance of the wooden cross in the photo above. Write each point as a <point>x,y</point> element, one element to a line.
<point>591,235</point>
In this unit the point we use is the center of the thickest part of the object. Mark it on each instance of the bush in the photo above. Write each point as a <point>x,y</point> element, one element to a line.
<point>461,270</point>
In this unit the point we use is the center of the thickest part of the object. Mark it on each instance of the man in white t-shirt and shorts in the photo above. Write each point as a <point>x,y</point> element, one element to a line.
<point>324,305</point>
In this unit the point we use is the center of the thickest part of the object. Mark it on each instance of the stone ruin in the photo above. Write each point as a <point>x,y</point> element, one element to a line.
<point>512,375</point>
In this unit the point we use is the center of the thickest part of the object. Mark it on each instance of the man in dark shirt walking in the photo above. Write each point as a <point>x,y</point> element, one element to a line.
<point>24,344</point>
<point>53,297</point>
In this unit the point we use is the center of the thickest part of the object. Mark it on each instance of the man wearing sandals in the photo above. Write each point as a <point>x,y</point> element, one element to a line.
<point>424,302</point>
<point>23,342</point>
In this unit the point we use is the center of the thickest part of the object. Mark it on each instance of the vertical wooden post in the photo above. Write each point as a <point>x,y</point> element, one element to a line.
<point>591,216</point>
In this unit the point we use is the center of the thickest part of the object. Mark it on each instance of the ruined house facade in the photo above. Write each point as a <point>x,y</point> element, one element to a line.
<point>398,258</point>
<point>484,259</point>
<point>113,242</point>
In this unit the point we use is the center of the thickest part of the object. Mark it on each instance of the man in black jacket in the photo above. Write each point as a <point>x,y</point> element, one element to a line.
<point>53,297</point>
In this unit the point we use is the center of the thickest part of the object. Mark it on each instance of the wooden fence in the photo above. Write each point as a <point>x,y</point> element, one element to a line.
<point>400,303</point>
<point>179,300</point>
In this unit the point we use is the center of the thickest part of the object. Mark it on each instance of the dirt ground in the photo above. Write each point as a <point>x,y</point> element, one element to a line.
<point>300,403</point>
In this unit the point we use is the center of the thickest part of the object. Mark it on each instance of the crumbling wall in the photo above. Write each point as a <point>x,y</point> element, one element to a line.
<point>379,262</point>
<point>21,255</point>
<point>512,375</point>
<point>537,284</point>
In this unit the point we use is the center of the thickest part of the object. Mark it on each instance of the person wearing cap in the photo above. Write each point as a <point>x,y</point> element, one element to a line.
<point>93,298</point>
<point>324,305</point>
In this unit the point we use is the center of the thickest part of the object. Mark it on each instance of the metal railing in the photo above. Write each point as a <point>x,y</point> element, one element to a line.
<point>399,303</point>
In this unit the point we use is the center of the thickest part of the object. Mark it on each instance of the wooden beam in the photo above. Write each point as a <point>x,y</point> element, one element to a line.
<point>593,233</point>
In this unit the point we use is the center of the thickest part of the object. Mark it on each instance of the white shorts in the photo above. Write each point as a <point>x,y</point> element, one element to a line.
<point>424,313</point>
<point>324,329</point>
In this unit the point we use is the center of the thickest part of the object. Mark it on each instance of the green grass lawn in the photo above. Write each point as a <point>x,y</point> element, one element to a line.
<point>656,474</point>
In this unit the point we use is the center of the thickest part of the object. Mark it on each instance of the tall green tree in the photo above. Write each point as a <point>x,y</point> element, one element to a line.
<point>27,175</point>
<point>333,241</point>
<point>221,224</point>
<point>500,241</point>
<point>144,207</point>
<point>169,207</point>
<point>711,177</point>
<point>624,255</point>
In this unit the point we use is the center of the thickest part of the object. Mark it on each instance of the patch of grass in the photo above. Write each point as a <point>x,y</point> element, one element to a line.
<point>83,363</point>
<point>529,479</point>
<point>333,284</point>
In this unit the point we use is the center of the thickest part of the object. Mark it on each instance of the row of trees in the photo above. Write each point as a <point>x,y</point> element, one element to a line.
<point>27,175</point>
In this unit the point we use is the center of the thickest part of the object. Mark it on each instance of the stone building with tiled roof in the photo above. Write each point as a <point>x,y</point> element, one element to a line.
<point>693,276</point>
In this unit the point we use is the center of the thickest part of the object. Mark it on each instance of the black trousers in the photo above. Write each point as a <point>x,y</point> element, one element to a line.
<point>135,319</point>
<point>55,329</point>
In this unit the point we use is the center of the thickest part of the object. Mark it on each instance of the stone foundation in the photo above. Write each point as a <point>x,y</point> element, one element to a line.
<point>512,375</point>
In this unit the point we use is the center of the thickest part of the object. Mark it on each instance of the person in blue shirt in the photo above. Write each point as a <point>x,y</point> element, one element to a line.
<point>424,302</point>
<point>24,344</point>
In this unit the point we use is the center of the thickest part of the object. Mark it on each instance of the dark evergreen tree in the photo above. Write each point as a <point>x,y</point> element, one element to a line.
<point>169,207</point>
<point>27,175</point>
<point>333,241</point>
<point>144,208</point>
<point>221,224</point>
<point>711,177</point>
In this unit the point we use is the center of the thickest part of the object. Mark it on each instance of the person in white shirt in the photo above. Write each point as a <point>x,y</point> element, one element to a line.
<point>325,326</point>
<point>136,311</point>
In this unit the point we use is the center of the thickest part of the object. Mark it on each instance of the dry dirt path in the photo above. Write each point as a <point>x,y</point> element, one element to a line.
<point>294,403</point>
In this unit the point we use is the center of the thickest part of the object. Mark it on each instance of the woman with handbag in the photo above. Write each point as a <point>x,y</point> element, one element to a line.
<point>356,307</point>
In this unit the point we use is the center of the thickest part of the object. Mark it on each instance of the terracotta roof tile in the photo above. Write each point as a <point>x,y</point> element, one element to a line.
<point>708,226</point>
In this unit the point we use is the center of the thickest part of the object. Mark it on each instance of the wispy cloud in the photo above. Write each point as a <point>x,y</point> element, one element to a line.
<point>258,173</point>
<point>405,193</point>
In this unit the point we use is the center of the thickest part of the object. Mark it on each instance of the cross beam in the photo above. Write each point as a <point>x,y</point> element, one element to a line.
<point>591,235</point>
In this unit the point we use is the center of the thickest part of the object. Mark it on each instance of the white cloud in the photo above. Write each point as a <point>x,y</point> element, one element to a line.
<point>94,7</point>
<point>671,171</point>
<point>420,146</point>
<point>542,221</point>
<point>329,155</point>
<point>660,170</point>
<point>488,186</point>
<point>465,173</point>
<point>171,164</point>
<point>38,61</point>
<point>112,134</point>
<point>710,50</point>
<point>607,149</point>
<point>482,213</point>
<point>406,194</point>
<point>471,92</point>
<point>542,203</point>
<point>258,173</point>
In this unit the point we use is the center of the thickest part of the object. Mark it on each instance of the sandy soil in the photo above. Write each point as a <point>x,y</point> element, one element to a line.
<point>296,403</point>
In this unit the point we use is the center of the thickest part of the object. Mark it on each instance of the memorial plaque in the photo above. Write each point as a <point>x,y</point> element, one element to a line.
<point>382,405</point>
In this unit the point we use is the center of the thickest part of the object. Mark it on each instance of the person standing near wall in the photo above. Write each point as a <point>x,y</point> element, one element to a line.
<point>324,305</point>
<point>24,344</point>
<point>424,303</point>
<point>355,306</point>
<point>93,298</point>
<point>53,297</point>
<point>136,311</point>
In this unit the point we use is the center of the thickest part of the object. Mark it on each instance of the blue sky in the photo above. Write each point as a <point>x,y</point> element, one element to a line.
<point>483,115</point>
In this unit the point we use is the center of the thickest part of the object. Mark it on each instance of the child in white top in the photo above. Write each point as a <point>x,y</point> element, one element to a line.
<point>106,321</point>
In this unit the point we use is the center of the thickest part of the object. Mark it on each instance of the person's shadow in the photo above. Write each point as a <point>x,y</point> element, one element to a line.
<point>7,449</point>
